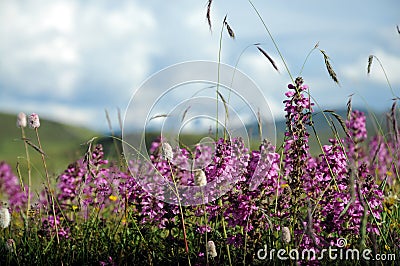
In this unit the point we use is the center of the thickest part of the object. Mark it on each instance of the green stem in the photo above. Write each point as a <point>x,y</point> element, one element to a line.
<point>181,214</point>
<point>52,198</point>
<point>28,160</point>
<point>225,234</point>
<point>273,40</point>
<point>218,75</point>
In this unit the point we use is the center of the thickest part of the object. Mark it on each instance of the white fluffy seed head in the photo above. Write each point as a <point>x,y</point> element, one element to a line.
<point>211,249</point>
<point>34,121</point>
<point>286,235</point>
<point>167,152</point>
<point>5,217</point>
<point>200,178</point>
<point>21,120</point>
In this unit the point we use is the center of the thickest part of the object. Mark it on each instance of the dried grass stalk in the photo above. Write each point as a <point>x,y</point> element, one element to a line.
<point>340,120</point>
<point>328,65</point>
<point>35,147</point>
<point>370,58</point>
<point>230,31</point>
<point>225,104</point>
<point>184,113</point>
<point>394,121</point>
<point>158,116</point>
<point>208,15</point>
<point>268,57</point>
<point>349,107</point>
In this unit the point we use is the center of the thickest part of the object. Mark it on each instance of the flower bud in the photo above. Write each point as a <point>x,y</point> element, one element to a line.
<point>34,121</point>
<point>21,120</point>
<point>211,249</point>
<point>200,178</point>
<point>5,217</point>
<point>286,235</point>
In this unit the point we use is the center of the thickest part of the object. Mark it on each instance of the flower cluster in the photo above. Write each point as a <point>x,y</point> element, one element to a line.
<point>10,185</point>
<point>334,197</point>
<point>286,197</point>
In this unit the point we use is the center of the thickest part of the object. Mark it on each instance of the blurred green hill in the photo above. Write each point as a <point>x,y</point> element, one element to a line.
<point>61,143</point>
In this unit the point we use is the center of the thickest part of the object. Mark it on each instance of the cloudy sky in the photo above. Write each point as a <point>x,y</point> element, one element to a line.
<point>70,60</point>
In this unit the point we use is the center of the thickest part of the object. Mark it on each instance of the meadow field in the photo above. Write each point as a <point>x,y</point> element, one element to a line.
<point>71,197</point>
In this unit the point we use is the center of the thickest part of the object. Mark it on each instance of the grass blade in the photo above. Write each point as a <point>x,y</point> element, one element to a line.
<point>35,147</point>
<point>340,120</point>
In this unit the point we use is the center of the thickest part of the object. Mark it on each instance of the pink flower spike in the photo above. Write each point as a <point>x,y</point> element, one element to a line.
<point>34,121</point>
<point>21,120</point>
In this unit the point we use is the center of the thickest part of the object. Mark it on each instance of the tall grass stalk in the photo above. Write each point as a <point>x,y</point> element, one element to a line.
<point>225,234</point>
<point>272,39</point>
<point>28,164</point>
<point>181,213</point>
<point>49,190</point>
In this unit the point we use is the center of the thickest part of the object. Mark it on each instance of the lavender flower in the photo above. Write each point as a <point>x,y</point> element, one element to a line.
<point>34,121</point>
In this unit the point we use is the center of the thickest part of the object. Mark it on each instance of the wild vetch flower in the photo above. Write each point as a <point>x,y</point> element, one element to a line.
<point>286,235</point>
<point>21,120</point>
<point>34,121</point>
<point>200,178</point>
<point>211,249</point>
<point>5,217</point>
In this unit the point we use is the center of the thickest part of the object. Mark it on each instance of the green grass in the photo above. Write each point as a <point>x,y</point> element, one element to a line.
<point>61,143</point>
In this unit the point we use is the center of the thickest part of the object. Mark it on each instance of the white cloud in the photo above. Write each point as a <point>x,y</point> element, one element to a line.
<point>52,47</point>
<point>93,54</point>
<point>273,84</point>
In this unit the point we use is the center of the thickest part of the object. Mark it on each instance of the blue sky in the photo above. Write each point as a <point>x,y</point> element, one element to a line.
<point>70,60</point>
